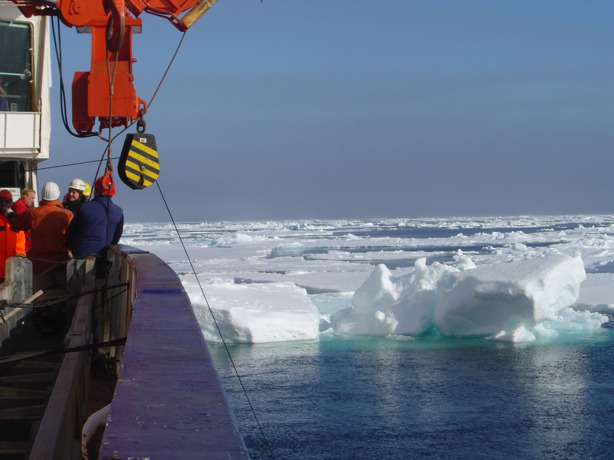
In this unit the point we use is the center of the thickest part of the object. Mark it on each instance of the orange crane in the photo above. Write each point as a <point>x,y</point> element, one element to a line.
<point>106,92</point>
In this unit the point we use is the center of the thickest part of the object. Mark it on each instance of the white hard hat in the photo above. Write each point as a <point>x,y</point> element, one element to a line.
<point>51,191</point>
<point>77,184</point>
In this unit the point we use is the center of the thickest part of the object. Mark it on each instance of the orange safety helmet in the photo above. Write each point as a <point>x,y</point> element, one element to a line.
<point>105,185</point>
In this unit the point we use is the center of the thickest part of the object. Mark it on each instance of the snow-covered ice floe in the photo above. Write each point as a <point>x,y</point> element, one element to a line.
<point>509,301</point>
<point>256,313</point>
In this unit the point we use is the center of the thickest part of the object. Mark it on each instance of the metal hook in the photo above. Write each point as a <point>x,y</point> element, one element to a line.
<point>140,124</point>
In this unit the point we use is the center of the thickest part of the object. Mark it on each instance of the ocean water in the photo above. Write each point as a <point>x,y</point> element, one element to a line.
<point>401,397</point>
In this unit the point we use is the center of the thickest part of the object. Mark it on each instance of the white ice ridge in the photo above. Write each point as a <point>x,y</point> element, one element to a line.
<point>505,300</point>
<point>385,304</point>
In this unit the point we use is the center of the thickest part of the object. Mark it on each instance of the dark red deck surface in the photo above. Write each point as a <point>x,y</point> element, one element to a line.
<point>169,402</point>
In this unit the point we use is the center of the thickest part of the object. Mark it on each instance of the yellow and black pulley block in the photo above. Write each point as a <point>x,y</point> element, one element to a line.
<point>138,165</point>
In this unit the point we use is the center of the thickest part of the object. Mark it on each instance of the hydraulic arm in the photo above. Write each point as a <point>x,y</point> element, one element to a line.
<point>106,92</point>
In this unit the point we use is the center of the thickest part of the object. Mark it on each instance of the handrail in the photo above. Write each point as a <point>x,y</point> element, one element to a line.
<point>59,430</point>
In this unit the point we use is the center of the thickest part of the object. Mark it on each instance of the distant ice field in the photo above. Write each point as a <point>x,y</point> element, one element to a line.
<point>278,281</point>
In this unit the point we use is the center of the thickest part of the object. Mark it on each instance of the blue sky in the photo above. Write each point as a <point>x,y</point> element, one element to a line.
<point>287,109</point>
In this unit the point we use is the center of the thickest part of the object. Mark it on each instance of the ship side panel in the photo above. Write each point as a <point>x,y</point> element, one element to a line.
<point>169,401</point>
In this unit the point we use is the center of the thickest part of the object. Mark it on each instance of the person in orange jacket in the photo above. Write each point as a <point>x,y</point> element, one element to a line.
<point>22,205</point>
<point>12,242</point>
<point>48,224</point>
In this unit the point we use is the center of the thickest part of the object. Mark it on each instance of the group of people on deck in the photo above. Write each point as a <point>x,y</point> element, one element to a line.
<point>53,232</point>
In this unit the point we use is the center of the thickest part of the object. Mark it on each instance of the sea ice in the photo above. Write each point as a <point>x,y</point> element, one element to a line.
<point>520,334</point>
<point>504,296</point>
<point>266,281</point>
<point>597,293</point>
<point>256,313</point>
<point>288,250</point>
<point>503,301</point>
<point>385,304</point>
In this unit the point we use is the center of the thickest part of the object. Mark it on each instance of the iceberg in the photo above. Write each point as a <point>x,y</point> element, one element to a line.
<point>503,301</point>
<point>385,304</point>
<point>505,296</point>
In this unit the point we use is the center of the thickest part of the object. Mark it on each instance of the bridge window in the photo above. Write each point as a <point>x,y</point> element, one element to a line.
<point>15,66</point>
<point>11,175</point>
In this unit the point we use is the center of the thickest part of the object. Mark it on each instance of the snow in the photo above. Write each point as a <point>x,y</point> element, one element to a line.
<point>597,293</point>
<point>385,304</point>
<point>502,300</point>
<point>508,295</point>
<point>512,279</point>
<point>273,312</point>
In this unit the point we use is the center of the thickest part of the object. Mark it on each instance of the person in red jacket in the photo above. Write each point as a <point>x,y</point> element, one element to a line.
<point>25,202</point>
<point>22,205</point>
<point>12,242</point>
<point>48,224</point>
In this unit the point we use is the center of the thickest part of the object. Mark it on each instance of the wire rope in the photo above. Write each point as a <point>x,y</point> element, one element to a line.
<point>36,354</point>
<point>57,42</point>
<point>236,371</point>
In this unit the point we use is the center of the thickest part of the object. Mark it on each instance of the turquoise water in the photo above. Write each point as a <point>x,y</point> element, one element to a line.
<point>401,397</point>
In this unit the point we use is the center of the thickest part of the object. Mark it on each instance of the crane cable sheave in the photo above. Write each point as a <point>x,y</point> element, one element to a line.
<point>117,15</point>
<point>168,9</point>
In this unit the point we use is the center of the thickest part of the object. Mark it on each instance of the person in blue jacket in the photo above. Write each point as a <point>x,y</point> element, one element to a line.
<point>98,224</point>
